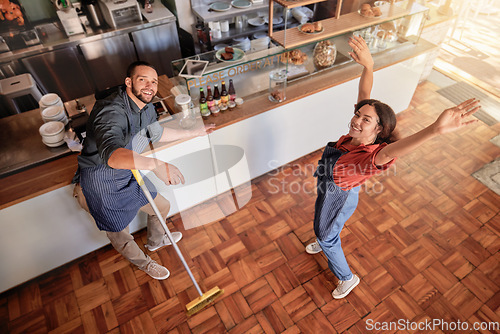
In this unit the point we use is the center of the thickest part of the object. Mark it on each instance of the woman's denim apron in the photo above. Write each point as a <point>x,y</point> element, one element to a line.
<point>333,207</point>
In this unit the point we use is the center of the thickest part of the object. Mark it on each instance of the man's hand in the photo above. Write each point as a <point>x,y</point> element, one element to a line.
<point>201,131</point>
<point>169,174</point>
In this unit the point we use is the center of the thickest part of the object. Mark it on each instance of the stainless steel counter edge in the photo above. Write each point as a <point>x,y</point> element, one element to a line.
<point>80,39</point>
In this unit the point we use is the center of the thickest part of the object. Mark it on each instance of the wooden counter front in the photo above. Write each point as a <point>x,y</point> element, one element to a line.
<point>39,180</point>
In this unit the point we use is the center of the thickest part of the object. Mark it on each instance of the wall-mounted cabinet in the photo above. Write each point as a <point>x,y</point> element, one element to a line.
<point>233,21</point>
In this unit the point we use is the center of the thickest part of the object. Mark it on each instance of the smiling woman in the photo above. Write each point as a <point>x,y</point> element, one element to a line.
<point>368,150</point>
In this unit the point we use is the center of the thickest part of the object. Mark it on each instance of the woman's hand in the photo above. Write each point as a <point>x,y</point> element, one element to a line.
<point>361,53</point>
<point>454,118</point>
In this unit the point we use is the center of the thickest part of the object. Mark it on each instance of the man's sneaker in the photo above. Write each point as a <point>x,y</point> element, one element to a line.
<point>156,271</point>
<point>165,241</point>
<point>313,248</point>
<point>344,287</point>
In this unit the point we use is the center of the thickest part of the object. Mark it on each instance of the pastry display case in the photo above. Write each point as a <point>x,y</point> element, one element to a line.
<point>303,54</point>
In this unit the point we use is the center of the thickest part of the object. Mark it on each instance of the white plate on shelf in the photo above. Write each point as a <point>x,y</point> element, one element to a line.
<point>220,6</point>
<point>257,21</point>
<point>237,55</point>
<point>276,20</point>
<point>59,143</point>
<point>259,34</point>
<point>241,3</point>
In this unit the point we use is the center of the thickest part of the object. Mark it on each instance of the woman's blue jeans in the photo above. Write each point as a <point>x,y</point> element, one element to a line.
<point>332,246</point>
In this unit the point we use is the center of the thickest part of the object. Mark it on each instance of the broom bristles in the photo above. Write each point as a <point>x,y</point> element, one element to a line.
<point>200,302</point>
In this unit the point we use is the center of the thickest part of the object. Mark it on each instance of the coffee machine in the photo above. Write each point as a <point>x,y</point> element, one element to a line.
<point>68,17</point>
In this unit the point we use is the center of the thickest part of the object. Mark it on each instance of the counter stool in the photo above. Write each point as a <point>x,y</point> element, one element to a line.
<point>17,86</point>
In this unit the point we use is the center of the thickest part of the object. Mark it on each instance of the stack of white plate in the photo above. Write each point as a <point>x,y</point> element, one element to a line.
<point>259,43</point>
<point>49,100</point>
<point>52,133</point>
<point>242,43</point>
<point>54,113</point>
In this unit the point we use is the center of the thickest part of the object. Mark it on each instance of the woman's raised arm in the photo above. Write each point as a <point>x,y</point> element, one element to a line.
<point>361,54</point>
<point>450,120</point>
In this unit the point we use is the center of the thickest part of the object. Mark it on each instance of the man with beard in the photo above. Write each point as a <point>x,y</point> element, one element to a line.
<point>119,128</point>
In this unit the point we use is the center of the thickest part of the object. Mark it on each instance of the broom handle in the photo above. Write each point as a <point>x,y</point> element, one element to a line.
<point>145,189</point>
<point>214,163</point>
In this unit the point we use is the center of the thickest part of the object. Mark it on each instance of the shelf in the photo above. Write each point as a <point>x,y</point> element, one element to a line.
<point>293,4</point>
<point>335,27</point>
<point>206,15</point>
<point>247,31</point>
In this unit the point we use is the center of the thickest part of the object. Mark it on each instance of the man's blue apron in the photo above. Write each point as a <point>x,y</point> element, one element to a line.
<point>113,195</point>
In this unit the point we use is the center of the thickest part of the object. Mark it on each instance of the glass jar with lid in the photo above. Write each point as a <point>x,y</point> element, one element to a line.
<point>324,54</point>
<point>277,85</point>
<point>184,107</point>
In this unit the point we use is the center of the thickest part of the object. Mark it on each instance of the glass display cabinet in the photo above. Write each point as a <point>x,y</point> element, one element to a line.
<point>301,55</point>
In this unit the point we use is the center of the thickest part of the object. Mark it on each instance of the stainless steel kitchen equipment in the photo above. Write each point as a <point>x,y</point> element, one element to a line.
<point>119,13</point>
<point>93,13</point>
<point>159,45</point>
<point>108,59</point>
<point>60,71</point>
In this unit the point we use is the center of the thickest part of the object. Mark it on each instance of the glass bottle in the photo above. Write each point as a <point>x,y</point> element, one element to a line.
<point>210,98</point>
<point>205,112</point>
<point>224,96</point>
<point>232,92</point>
<point>80,107</point>
<point>217,98</point>
<point>148,6</point>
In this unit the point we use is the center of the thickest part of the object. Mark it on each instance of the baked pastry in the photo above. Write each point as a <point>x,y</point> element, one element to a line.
<point>308,27</point>
<point>226,56</point>
<point>295,57</point>
<point>367,12</point>
<point>229,49</point>
<point>318,26</point>
<point>376,11</point>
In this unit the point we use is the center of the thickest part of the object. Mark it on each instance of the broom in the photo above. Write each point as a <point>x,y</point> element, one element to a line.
<point>205,298</point>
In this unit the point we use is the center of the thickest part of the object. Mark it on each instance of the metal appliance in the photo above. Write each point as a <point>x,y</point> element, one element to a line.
<point>3,45</point>
<point>93,13</point>
<point>119,13</point>
<point>69,17</point>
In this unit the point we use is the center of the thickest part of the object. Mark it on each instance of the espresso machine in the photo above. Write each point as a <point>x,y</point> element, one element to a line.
<point>68,17</point>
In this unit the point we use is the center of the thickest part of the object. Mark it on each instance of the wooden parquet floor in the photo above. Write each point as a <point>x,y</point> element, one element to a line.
<point>424,241</point>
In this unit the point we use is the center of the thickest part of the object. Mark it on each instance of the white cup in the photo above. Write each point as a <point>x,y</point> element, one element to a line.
<point>216,33</point>
<point>224,26</point>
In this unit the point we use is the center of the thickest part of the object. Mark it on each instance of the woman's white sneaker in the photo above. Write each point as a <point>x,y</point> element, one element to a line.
<point>313,248</point>
<point>344,287</point>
